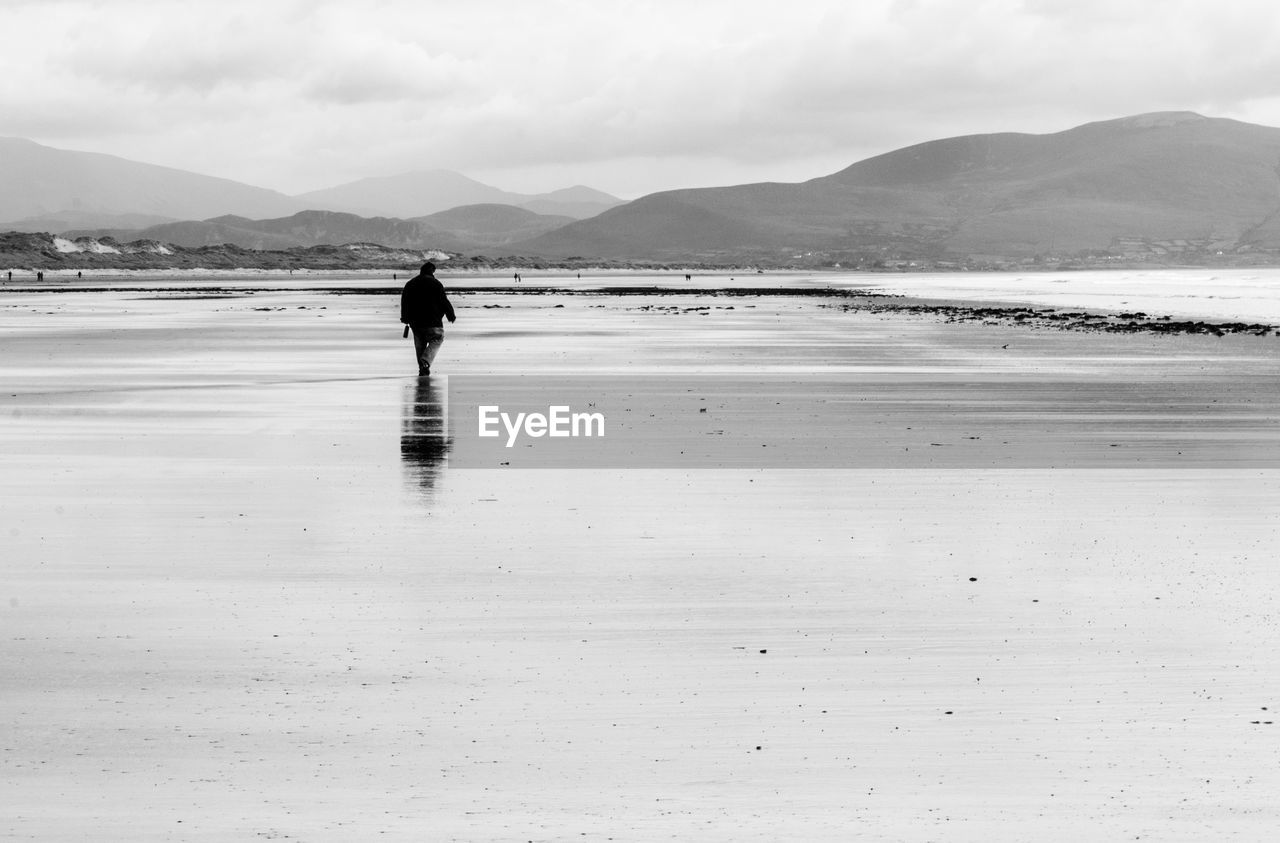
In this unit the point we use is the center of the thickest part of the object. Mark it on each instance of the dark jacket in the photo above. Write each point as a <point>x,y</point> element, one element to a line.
<point>423,302</point>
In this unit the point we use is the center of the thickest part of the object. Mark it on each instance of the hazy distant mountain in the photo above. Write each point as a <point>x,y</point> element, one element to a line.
<point>38,180</point>
<point>1154,177</point>
<point>469,228</point>
<point>419,194</point>
<point>408,195</point>
<point>58,190</point>
<point>479,226</point>
<point>578,202</point>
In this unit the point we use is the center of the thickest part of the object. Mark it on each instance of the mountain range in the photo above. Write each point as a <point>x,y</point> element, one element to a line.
<point>468,228</point>
<point>418,194</point>
<point>1112,186</point>
<point>1173,186</point>
<point>56,190</point>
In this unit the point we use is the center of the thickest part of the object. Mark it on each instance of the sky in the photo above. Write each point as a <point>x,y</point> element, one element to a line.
<point>627,96</point>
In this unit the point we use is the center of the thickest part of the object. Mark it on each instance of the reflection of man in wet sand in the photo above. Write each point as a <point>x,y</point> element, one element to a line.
<point>424,439</point>
<point>423,307</point>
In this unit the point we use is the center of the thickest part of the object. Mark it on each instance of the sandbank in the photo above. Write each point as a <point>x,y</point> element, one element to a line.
<point>242,599</point>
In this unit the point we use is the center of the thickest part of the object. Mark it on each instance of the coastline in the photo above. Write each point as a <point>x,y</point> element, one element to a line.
<point>845,299</point>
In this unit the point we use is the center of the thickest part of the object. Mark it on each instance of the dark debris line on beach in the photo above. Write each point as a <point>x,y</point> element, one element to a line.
<point>865,301</point>
<point>1076,320</point>
<point>850,301</point>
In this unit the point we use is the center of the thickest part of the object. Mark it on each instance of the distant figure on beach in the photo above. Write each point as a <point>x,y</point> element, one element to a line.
<point>39,276</point>
<point>423,307</point>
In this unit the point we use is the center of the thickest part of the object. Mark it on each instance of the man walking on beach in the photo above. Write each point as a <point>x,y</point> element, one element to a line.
<point>423,306</point>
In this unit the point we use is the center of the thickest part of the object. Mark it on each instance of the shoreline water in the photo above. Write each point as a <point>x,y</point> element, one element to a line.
<point>949,310</point>
<point>1227,295</point>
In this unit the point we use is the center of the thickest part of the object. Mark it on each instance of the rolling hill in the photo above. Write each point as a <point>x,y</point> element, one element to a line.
<point>1117,185</point>
<point>484,225</point>
<point>469,228</point>
<point>306,228</point>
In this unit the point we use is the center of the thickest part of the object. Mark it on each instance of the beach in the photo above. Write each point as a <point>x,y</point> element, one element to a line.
<point>249,590</point>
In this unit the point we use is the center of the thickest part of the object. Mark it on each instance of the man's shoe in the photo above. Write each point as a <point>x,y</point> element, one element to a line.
<point>424,372</point>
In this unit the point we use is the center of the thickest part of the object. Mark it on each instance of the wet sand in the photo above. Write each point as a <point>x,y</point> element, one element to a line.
<point>246,595</point>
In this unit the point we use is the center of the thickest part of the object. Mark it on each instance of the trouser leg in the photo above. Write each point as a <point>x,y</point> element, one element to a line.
<point>426,344</point>
<point>419,348</point>
<point>434,340</point>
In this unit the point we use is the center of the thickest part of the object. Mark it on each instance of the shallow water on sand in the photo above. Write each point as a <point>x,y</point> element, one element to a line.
<point>1246,295</point>
<point>245,594</point>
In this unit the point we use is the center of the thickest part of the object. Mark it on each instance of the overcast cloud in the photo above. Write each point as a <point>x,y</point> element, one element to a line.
<point>629,97</point>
